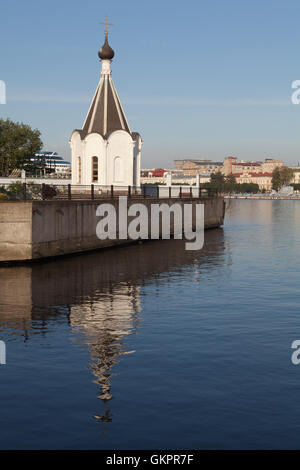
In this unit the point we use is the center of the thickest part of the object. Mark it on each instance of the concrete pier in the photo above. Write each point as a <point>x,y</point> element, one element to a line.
<point>35,230</point>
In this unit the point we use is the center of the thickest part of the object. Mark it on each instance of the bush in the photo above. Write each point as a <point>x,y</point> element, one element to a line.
<point>48,192</point>
<point>248,188</point>
<point>4,197</point>
<point>15,190</point>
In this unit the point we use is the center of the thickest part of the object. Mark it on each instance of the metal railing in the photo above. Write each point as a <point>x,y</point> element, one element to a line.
<point>33,191</point>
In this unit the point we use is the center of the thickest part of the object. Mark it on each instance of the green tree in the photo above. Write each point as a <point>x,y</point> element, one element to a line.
<point>276,180</point>
<point>18,142</point>
<point>281,176</point>
<point>230,183</point>
<point>217,181</point>
<point>247,188</point>
<point>15,190</point>
<point>286,174</point>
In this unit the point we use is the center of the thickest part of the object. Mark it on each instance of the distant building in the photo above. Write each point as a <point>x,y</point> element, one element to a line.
<point>154,172</point>
<point>158,172</point>
<point>296,178</point>
<point>252,172</point>
<point>270,164</point>
<point>263,179</point>
<point>159,176</point>
<point>191,167</point>
<point>233,165</point>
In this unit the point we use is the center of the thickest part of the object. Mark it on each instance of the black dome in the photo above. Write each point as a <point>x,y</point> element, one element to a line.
<point>106,52</point>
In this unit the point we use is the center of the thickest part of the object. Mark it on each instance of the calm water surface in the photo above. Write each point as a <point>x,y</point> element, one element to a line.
<point>151,346</point>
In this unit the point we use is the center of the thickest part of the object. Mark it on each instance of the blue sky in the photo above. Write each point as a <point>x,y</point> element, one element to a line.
<point>200,79</point>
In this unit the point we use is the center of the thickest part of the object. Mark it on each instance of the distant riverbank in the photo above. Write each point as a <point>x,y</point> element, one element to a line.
<point>262,196</point>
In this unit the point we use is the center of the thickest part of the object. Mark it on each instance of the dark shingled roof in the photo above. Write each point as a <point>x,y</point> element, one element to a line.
<point>105,114</point>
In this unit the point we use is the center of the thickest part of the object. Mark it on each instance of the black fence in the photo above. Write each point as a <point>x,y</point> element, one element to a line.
<point>32,191</point>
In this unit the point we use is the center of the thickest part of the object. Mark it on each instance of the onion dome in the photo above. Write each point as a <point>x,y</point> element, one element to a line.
<point>106,52</point>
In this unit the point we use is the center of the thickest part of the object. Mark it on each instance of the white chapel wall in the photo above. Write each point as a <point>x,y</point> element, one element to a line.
<point>120,171</point>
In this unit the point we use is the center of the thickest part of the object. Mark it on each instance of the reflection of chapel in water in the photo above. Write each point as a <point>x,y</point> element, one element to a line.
<point>105,322</point>
<point>105,312</point>
<point>98,295</point>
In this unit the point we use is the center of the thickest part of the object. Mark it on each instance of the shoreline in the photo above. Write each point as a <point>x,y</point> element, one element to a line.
<point>264,197</point>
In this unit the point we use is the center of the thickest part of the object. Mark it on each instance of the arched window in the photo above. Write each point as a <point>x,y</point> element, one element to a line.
<point>79,170</point>
<point>95,169</point>
<point>118,169</point>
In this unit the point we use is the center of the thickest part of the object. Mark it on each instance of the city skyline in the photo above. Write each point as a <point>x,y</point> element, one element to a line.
<point>207,81</point>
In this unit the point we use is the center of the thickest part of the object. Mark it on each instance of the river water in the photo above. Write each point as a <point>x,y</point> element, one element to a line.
<point>154,347</point>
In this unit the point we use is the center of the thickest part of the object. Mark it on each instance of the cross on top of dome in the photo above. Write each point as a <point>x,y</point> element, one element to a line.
<point>106,52</point>
<point>106,23</point>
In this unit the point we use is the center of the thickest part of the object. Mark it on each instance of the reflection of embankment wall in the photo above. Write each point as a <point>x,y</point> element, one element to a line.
<point>78,279</point>
<point>38,229</point>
